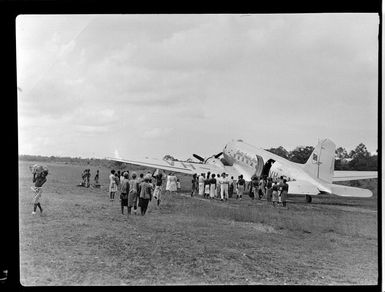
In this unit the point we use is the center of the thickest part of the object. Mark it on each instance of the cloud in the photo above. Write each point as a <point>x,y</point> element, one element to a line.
<point>220,73</point>
<point>154,133</point>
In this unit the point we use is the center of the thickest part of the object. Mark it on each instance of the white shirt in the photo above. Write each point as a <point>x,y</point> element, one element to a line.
<point>223,180</point>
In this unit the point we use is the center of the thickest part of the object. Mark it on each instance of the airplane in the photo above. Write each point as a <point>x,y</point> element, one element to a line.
<point>312,178</point>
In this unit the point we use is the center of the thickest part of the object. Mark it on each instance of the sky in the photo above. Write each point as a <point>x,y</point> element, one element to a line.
<point>149,85</point>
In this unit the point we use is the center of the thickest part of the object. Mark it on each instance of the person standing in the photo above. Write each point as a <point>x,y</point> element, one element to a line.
<point>145,195</point>
<point>275,193</point>
<point>121,177</point>
<point>39,178</point>
<point>283,188</point>
<point>117,181</point>
<point>201,184</point>
<point>208,177</point>
<point>133,193</point>
<point>254,187</point>
<point>218,186</point>
<point>88,176</point>
<point>96,179</point>
<point>124,190</point>
<point>213,186</point>
<point>261,188</point>
<point>113,186</point>
<point>140,180</point>
<point>178,184</point>
<point>168,182</point>
<point>241,185</point>
<point>224,183</point>
<point>207,187</point>
<point>269,190</point>
<point>158,187</point>
<point>173,183</point>
<point>194,183</point>
<point>231,187</point>
<point>84,177</point>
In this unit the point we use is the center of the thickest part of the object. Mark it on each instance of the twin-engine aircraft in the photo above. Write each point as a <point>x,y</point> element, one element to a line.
<point>314,177</point>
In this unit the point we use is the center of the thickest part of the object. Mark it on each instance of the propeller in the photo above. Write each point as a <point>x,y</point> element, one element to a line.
<point>200,158</point>
<point>219,154</point>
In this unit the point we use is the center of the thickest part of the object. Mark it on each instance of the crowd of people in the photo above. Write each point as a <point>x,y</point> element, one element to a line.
<point>222,187</point>
<point>86,175</point>
<point>136,192</point>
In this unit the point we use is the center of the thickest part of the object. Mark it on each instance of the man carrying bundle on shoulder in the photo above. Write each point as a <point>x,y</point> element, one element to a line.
<point>39,178</point>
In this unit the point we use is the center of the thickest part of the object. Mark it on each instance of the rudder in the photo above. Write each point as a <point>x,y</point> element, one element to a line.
<point>320,164</point>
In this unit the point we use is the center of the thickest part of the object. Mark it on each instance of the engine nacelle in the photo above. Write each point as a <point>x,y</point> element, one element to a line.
<point>215,161</point>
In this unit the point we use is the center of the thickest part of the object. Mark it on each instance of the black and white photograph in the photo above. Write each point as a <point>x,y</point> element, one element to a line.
<point>198,149</point>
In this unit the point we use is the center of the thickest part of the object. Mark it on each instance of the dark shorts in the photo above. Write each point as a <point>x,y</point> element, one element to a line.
<point>143,203</point>
<point>124,199</point>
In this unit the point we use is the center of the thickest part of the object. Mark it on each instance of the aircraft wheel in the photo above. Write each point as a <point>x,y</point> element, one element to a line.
<point>308,199</point>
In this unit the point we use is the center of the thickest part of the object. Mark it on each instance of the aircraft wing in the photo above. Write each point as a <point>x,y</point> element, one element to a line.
<point>342,175</point>
<point>175,166</point>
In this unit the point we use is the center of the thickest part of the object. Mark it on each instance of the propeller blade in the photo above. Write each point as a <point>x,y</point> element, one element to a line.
<point>198,157</point>
<point>219,154</point>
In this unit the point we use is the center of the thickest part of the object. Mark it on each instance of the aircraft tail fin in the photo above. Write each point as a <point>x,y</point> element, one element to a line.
<point>320,164</point>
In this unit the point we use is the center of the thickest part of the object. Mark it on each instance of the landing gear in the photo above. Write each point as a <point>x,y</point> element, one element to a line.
<point>308,199</point>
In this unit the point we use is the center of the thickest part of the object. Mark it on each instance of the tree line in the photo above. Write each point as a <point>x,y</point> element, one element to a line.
<point>358,159</point>
<point>78,161</point>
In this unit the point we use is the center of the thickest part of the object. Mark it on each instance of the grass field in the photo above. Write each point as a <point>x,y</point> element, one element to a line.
<point>83,239</point>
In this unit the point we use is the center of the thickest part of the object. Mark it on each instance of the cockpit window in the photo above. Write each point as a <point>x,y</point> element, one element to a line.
<point>239,140</point>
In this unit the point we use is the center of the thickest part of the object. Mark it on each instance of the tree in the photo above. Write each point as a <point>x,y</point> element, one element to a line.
<point>301,154</point>
<point>362,159</point>
<point>341,153</point>
<point>280,151</point>
<point>360,152</point>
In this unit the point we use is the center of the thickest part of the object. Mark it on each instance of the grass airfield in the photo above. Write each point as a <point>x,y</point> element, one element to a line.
<point>83,239</point>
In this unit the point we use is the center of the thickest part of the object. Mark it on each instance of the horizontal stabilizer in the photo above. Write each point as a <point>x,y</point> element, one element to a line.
<point>342,175</point>
<point>345,191</point>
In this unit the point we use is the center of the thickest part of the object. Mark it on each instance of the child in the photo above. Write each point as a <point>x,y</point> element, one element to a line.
<point>39,178</point>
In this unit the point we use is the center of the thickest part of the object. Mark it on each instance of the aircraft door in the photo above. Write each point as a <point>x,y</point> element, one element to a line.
<point>259,166</point>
